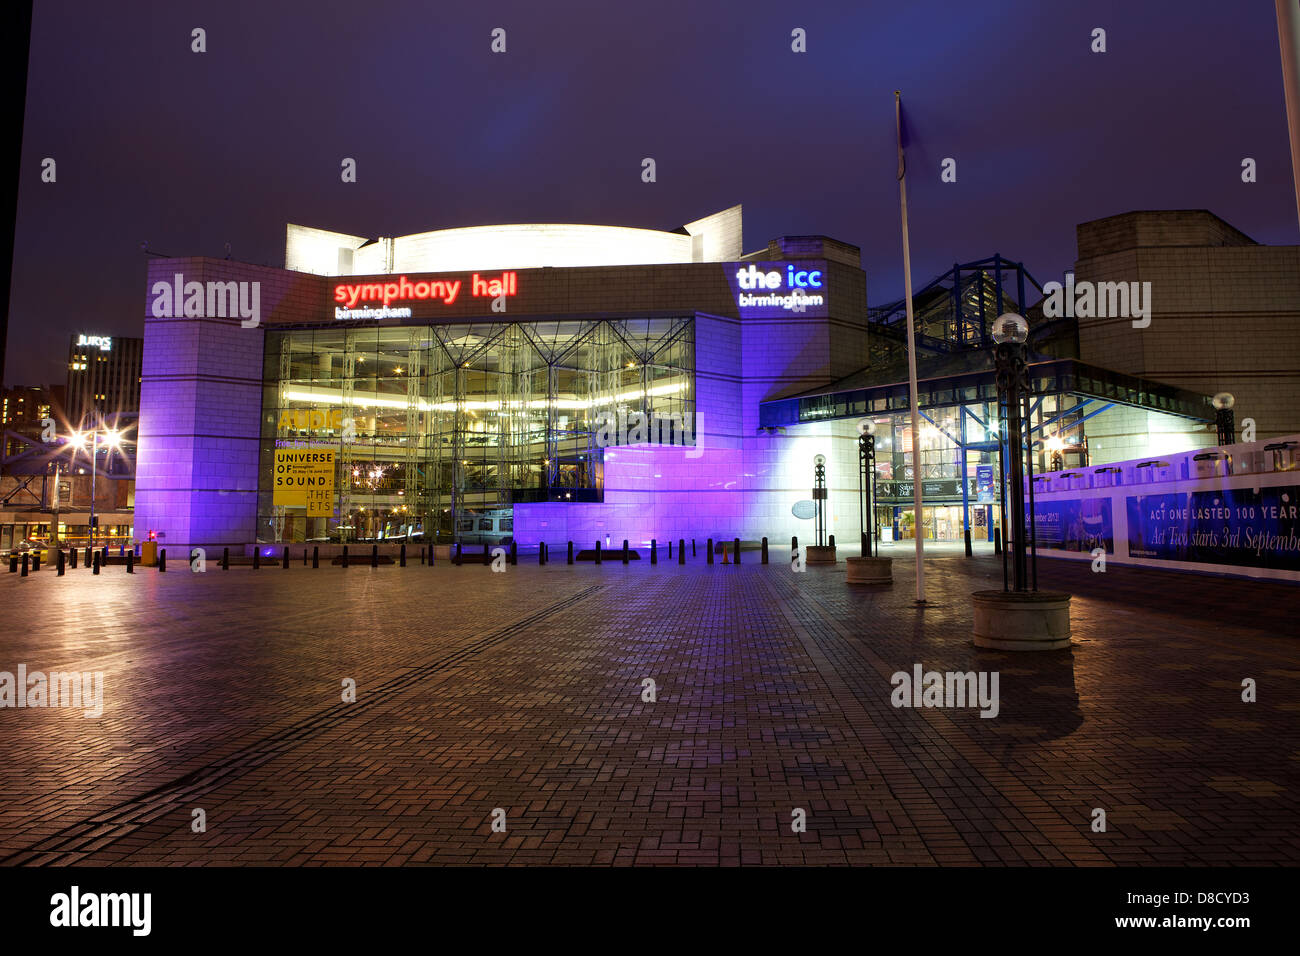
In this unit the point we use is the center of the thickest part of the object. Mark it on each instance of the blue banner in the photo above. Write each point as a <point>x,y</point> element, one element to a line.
<point>985,493</point>
<point>1074,525</point>
<point>1233,526</point>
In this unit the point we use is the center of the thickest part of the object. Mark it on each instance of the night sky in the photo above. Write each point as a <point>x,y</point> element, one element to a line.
<point>191,151</point>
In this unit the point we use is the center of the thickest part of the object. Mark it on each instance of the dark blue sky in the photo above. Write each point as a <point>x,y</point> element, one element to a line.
<point>192,151</point>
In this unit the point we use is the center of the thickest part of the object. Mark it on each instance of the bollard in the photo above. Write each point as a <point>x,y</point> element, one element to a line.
<point>764,561</point>
<point>966,535</point>
<point>13,562</point>
<point>514,554</point>
<point>625,550</point>
<point>654,555</point>
<point>59,561</point>
<point>541,553</point>
<point>315,556</point>
<point>257,558</point>
<point>374,555</point>
<point>459,556</point>
<point>737,549</point>
<point>345,556</point>
<point>401,557</point>
<point>830,540</point>
<point>570,561</point>
<point>285,565</point>
<point>598,551</point>
<point>692,547</point>
<point>87,555</point>
<point>304,557</point>
<point>104,563</point>
<point>225,559</point>
<point>997,540</point>
<point>422,554</point>
<point>96,564</point>
<point>130,562</point>
<point>670,549</point>
<point>487,554</point>
<point>72,558</point>
<point>24,571</point>
<point>681,550</point>
<point>162,560</point>
<point>710,547</point>
<point>36,560</point>
<point>431,555</point>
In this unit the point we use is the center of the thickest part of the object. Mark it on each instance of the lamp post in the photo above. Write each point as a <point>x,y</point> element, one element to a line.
<point>1056,446</point>
<point>1224,417</point>
<point>1019,617</point>
<point>819,497</point>
<point>112,439</point>
<point>866,472</point>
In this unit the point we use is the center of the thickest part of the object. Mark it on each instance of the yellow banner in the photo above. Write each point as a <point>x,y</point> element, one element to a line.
<point>304,477</point>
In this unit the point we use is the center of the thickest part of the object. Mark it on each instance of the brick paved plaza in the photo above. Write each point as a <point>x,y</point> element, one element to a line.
<point>523,691</point>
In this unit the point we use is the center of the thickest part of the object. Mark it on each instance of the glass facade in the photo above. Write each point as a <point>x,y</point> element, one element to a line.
<point>439,429</point>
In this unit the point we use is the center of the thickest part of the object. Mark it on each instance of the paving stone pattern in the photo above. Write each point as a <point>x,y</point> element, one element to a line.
<point>523,690</point>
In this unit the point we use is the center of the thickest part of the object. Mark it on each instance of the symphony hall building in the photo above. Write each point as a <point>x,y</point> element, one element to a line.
<point>574,382</point>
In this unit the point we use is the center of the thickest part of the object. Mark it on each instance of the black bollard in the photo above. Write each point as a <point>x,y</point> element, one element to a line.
<point>59,561</point>
<point>625,550</point>
<point>794,543</point>
<point>422,554</point>
<point>401,557</point>
<point>654,554</point>
<point>36,560</point>
<point>997,540</point>
<point>966,535</point>
<point>764,549</point>
<point>304,557</point>
<point>598,551</point>
<point>737,549</point>
<point>681,550</point>
<point>709,560</point>
<point>541,553</point>
<point>225,559</point>
<point>72,558</point>
<point>460,559</point>
<point>570,561</point>
<point>830,540</point>
<point>431,555</point>
<point>13,562</point>
<point>514,554</point>
<point>670,549</point>
<point>374,555</point>
<point>487,554</point>
<point>130,562</point>
<point>285,565</point>
<point>257,558</point>
<point>105,560</point>
<point>315,556</point>
<point>692,547</point>
<point>345,556</point>
<point>87,555</point>
<point>162,560</point>
<point>24,571</point>
<point>96,564</point>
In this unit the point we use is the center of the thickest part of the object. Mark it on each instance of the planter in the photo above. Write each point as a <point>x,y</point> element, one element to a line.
<point>819,554</point>
<point>869,570</point>
<point>1022,620</point>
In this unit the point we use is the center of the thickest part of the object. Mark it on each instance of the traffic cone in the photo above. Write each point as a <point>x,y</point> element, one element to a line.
<point>725,552</point>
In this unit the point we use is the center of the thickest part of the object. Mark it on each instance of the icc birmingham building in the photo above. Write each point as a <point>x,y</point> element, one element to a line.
<point>584,383</point>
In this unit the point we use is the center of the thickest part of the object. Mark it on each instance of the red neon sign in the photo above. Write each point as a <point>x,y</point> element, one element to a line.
<point>447,290</point>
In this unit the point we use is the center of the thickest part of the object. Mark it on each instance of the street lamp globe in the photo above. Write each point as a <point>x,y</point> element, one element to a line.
<point>1223,401</point>
<point>1010,327</point>
<point>819,460</point>
<point>866,427</point>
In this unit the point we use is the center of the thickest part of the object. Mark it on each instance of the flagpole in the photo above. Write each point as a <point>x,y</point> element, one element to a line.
<point>919,522</point>
<point>1288,35</point>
